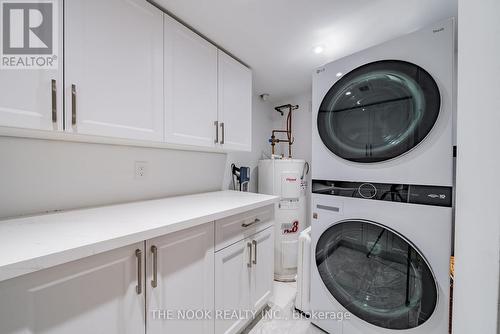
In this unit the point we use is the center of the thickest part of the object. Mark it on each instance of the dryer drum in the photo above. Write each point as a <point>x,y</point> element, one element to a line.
<point>379,111</point>
<point>376,275</point>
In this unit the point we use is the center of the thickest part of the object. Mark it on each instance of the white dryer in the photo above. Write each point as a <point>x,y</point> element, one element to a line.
<point>385,114</point>
<point>381,252</point>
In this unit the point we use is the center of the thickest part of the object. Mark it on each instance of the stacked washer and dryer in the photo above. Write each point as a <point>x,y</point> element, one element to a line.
<point>382,188</point>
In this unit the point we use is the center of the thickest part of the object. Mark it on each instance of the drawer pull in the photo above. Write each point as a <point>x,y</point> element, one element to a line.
<point>249,264</point>
<point>216,123</point>
<point>154,281</point>
<point>73,105</point>
<point>223,133</point>
<point>256,221</point>
<point>138,288</point>
<point>254,242</point>
<point>54,101</point>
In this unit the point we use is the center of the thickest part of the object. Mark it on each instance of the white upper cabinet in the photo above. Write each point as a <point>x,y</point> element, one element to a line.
<point>235,104</point>
<point>32,98</point>
<point>190,86</point>
<point>29,97</point>
<point>114,69</point>
<point>133,72</point>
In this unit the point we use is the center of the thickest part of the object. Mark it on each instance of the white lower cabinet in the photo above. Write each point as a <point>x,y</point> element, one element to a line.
<point>180,282</point>
<point>243,280</point>
<point>232,285</point>
<point>176,283</point>
<point>262,268</point>
<point>95,295</point>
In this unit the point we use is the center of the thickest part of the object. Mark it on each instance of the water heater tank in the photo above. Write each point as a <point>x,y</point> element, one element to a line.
<point>286,178</point>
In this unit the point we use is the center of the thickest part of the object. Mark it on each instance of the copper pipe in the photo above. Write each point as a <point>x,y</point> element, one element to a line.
<point>290,140</point>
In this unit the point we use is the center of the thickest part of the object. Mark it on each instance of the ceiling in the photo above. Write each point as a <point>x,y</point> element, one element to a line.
<point>276,38</point>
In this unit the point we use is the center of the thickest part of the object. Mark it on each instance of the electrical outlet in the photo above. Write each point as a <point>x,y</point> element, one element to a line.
<point>141,169</point>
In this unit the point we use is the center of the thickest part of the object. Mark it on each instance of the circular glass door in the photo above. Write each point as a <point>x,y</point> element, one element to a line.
<point>376,275</point>
<point>379,111</point>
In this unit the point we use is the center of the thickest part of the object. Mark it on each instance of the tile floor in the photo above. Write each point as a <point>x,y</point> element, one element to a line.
<point>284,320</point>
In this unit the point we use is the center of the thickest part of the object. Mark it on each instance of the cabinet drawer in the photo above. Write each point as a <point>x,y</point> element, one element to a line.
<point>235,228</point>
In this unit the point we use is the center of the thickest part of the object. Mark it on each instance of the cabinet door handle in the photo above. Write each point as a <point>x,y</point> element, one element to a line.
<point>257,220</point>
<point>223,132</point>
<point>138,288</point>
<point>216,123</point>
<point>54,101</point>
<point>254,242</point>
<point>154,281</point>
<point>73,105</point>
<point>249,264</point>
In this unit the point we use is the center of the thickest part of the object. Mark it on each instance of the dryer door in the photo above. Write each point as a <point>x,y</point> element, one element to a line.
<point>377,275</point>
<point>379,111</point>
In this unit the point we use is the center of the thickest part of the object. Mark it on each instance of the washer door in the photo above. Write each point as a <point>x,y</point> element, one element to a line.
<point>379,111</point>
<point>376,275</point>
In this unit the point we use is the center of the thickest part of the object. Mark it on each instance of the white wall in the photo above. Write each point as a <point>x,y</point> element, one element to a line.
<point>39,176</point>
<point>478,172</point>
<point>261,149</point>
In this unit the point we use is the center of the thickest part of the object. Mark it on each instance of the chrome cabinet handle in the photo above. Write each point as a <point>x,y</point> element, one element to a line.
<point>216,123</point>
<point>73,105</point>
<point>154,281</point>
<point>223,132</point>
<point>54,101</point>
<point>254,242</point>
<point>252,223</point>
<point>138,288</point>
<point>249,264</point>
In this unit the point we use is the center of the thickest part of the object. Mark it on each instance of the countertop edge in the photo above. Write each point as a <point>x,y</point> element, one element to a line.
<point>13,270</point>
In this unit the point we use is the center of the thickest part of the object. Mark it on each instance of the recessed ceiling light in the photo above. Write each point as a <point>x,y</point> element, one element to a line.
<point>348,93</point>
<point>318,49</point>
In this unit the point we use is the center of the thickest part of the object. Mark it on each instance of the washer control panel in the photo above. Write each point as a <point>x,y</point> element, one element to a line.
<point>403,193</point>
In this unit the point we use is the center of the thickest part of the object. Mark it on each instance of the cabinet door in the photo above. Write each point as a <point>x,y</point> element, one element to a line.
<point>235,104</point>
<point>93,295</point>
<point>114,59</point>
<point>232,285</point>
<point>184,281</point>
<point>190,87</point>
<point>262,268</point>
<point>28,97</point>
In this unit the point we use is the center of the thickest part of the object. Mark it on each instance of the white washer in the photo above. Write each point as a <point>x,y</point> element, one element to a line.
<point>385,114</point>
<point>383,260</point>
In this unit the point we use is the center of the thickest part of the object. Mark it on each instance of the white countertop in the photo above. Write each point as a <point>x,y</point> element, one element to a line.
<point>34,243</point>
